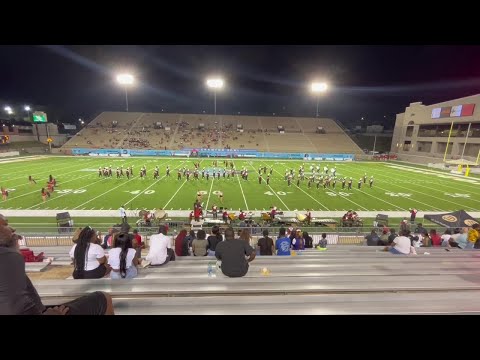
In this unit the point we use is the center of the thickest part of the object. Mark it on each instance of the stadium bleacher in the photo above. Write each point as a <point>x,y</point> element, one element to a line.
<point>137,131</point>
<point>342,280</point>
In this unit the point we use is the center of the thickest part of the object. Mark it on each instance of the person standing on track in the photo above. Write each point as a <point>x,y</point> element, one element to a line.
<point>123,214</point>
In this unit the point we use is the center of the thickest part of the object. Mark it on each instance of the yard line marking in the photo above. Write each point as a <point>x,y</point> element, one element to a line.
<point>426,194</point>
<point>387,202</point>
<point>176,192</point>
<point>35,191</point>
<point>156,182</point>
<point>62,195</point>
<point>106,192</point>
<point>250,164</point>
<point>239,183</point>
<point>441,182</point>
<point>209,193</point>
<point>318,202</point>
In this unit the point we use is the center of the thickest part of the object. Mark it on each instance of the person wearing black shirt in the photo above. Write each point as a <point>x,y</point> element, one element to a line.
<point>19,297</point>
<point>266,245</point>
<point>232,253</point>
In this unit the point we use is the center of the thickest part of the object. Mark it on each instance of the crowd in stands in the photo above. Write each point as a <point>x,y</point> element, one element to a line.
<point>118,255</point>
<point>463,238</point>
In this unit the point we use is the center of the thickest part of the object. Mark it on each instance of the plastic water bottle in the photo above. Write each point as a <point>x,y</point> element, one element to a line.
<point>212,269</point>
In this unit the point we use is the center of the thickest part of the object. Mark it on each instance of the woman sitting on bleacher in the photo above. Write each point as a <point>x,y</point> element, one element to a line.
<point>123,258</point>
<point>88,258</point>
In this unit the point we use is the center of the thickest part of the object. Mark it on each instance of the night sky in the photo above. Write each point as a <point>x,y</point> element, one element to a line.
<point>365,81</point>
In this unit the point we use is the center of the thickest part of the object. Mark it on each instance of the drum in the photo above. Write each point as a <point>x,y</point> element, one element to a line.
<point>160,214</point>
<point>301,217</point>
<point>232,216</point>
<point>266,216</point>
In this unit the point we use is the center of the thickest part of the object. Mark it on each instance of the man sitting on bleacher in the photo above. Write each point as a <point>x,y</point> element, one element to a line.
<point>232,252</point>
<point>161,251</point>
<point>19,297</point>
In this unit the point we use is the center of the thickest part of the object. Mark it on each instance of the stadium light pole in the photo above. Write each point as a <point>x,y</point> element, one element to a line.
<point>318,88</point>
<point>8,110</point>
<point>215,84</point>
<point>125,80</point>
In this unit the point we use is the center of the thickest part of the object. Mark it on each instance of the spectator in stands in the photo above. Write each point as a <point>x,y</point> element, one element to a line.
<point>322,244</point>
<point>308,240</point>
<point>283,243</point>
<point>105,238</point>
<point>392,236</point>
<point>372,239</point>
<point>123,258</point>
<point>180,249</point>
<point>200,244</point>
<point>383,241</point>
<point>214,240</point>
<point>160,248</point>
<point>426,241</point>
<point>446,238</point>
<point>401,245</point>
<point>88,258</point>
<point>138,244</point>
<point>462,240</point>
<point>19,297</point>
<point>297,241</point>
<point>473,234</point>
<point>265,244</point>
<point>190,237</point>
<point>435,238</point>
<point>232,253</point>
<point>245,235</point>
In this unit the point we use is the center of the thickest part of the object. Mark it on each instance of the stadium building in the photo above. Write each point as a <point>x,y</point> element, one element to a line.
<point>445,131</point>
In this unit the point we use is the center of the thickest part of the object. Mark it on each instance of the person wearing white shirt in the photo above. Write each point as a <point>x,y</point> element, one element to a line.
<point>123,214</point>
<point>401,245</point>
<point>88,258</point>
<point>161,251</point>
<point>446,238</point>
<point>122,258</point>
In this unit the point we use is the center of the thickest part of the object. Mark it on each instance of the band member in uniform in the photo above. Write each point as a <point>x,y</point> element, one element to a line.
<point>100,172</point>
<point>220,196</point>
<point>127,172</point>
<point>308,215</point>
<point>32,180</point>
<point>365,178</point>
<point>121,171</point>
<point>4,193</point>
<point>45,194</point>
<point>203,173</point>
<point>360,183</point>
<point>118,172</point>
<point>168,170</point>
<point>350,184</point>
<point>343,183</point>
<point>208,175</point>
<point>179,175</point>
<point>260,178</point>
<point>155,173</point>
<point>268,179</point>
<point>215,211</point>
<point>334,182</point>
<point>371,181</point>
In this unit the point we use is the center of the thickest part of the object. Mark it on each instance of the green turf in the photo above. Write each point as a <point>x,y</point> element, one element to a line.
<point>79,187</point>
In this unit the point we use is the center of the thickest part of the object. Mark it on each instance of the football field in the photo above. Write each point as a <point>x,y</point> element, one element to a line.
<point>397,186</point>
